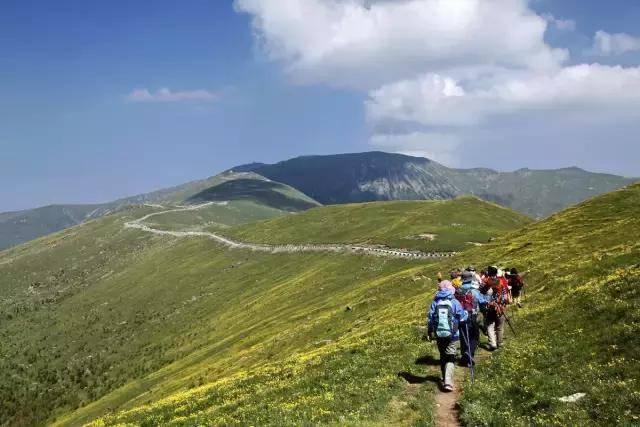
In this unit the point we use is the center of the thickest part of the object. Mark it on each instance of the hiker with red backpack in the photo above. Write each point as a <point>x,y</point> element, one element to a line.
<point>471,301</point>
<point>496,290</point>
<point>516,284</point>
<point>445,318</point>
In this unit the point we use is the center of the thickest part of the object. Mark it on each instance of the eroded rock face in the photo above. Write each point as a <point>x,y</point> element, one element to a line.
<point>364,177</point>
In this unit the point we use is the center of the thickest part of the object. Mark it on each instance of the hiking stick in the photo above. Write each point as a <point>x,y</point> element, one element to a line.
<point>471,361</point>
<point>509,323</point>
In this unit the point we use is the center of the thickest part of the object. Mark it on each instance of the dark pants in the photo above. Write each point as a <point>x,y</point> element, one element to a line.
<point>469,338</point>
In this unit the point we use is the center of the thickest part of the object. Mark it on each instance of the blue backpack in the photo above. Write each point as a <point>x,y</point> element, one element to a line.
<point>446,327</point>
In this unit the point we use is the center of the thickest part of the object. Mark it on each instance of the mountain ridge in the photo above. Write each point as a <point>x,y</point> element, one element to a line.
<point>355,178</point>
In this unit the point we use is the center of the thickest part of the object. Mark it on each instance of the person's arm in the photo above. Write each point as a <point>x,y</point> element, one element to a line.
<point>432,309</point>
<point>460,312</point>
<point>480,299</point>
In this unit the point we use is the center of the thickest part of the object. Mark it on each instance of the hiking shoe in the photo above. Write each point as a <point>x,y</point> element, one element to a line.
<point>448,388</point>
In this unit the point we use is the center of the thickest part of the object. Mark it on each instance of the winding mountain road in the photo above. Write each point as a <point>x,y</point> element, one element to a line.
<point>289,248</point>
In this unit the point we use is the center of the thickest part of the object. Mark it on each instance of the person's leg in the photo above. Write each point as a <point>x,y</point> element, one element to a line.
<point>500,330</point>
<point>450,354</point>
<point>442,348</point>
<point>491,331</point>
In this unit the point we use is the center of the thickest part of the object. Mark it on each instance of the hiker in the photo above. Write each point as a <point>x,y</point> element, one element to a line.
<point>444,319</point>
<point>477,279</point>
<point>516,283</point>
<point>497,292</point>
<point>471,301</point>
<point>456,279</point>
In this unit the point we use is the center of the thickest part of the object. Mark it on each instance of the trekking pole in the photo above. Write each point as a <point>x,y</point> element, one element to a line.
<point>471,361</point>
<point>509,323</point>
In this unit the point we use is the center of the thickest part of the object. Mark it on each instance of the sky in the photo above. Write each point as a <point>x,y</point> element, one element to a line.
<point>100,100</point>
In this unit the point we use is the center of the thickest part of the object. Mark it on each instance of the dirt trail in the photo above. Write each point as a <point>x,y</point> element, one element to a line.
<point>260,247</point>
<point>447,408</point>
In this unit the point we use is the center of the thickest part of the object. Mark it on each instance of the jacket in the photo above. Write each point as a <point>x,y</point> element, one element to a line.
<point>459,314</point>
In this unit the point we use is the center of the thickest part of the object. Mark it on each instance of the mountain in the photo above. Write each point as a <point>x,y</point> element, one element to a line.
<point>101,317</point>
<point>262,199</point>
<point>21,226</point>
<point>347,178</point>
<point>108,325</point>
<point>361,177</point>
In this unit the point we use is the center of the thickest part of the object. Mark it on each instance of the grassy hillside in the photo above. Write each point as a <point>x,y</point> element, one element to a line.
<point>253,198</point>
<point>538,193</point>
<point>252,187</point>
<point>216,216</point>
<point>98,310</point>
<point>580,332</point>
<point>449,225</point>
<point>118,326</point>
<point>21,226</point>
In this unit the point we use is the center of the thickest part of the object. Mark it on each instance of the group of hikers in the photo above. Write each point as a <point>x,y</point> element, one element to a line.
<point>465,305</point>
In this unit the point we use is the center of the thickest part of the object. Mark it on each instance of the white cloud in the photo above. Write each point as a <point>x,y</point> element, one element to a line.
<point>166,95</point>
<point>432,100</point>
<point>560,24</point>
<point>614,44</point>
<point>443,75</point>
<point>363,44</point>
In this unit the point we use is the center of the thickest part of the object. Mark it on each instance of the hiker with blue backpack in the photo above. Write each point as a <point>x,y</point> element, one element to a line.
<point>445,318</point>
<point>472,301</point>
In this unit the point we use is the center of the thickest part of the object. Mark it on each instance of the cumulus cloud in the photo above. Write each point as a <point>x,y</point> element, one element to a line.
<point>614,44</point>
<point>443,75</point>
<point>560,24</point>
<point>166,95</point>
<point>363,44</point>
<point>434,100</point>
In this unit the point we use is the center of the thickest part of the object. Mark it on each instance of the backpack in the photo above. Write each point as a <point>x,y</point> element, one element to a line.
<point>445,325</point>
<point>516,283</point>
<point>467,301</point>
<point>501,294</point>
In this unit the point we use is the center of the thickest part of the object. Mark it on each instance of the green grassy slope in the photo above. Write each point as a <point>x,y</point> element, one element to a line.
<point>580,331</point>
<point>251,187</point>
<point>253,198</point>
<point>21,226</point>
<point>216,216</point>
<point>134,328</point>
<point>449,225</point>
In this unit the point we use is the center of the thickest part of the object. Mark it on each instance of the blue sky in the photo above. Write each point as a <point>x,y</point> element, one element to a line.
<point>72,132</point>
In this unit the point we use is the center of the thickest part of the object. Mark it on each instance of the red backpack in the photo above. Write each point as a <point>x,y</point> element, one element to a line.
<point>467,301</point>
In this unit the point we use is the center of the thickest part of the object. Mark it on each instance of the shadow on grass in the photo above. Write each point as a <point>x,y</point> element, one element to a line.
<point>428,360</point>
<point>485,346</point>
<point>416,379</point>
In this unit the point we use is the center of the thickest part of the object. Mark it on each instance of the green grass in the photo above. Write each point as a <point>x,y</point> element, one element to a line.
<point>107,325</point>
<point>450,225</point>
<point>118,317</point>
<point>258,190</point>
<point>214,217</point>
<point>580,331</point>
